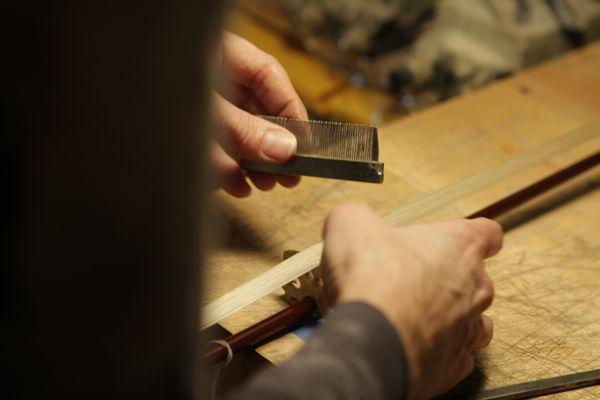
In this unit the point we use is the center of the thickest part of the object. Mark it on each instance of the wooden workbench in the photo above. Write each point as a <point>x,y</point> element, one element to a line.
<point>547,278</point>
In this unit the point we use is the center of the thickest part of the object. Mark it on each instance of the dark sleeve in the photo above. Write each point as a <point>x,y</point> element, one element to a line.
<point>356,354</point>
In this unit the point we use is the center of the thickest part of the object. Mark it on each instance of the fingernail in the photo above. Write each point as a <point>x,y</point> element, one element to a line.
<point>278,145</point>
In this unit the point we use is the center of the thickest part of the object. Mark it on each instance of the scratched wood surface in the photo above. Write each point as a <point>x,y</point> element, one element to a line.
<point>547,278</point>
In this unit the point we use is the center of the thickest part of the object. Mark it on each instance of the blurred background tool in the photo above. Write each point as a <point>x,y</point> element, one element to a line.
<point>325,149</point>
<point>372,61</point>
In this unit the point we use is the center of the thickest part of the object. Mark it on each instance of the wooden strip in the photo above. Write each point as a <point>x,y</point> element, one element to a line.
<point>262,285</point>
<point>308,259</point>
<point>474,183</point>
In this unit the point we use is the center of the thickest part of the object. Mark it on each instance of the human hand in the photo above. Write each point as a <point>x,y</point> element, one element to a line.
<point>428,280</point>
<point>260,86</point>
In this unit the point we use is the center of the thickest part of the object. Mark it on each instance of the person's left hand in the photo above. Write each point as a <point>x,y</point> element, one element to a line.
<point>260,86</point>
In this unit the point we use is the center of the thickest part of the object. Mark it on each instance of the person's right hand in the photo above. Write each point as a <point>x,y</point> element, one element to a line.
<point>428,280</point>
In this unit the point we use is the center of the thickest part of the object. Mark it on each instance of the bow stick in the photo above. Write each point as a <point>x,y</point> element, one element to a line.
<point>309,258</point>
<point>271,327</point>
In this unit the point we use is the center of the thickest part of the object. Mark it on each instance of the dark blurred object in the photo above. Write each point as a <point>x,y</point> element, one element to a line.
<point>434,49</point>
<point>362,27</point>
<point>102,107</point>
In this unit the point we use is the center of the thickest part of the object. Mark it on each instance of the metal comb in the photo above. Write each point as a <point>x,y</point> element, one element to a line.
<point>337,150</point>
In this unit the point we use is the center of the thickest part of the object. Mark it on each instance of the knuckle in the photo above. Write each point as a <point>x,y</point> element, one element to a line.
<point>478,244</point>
<point>492,228</point>
<point>464,232</point>
<point>270,69</point>
<point>246,131</point>
<point>272,63</point>
<point>474,242</point>
<point>497,231</point>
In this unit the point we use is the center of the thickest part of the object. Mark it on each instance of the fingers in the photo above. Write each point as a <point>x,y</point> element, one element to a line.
<point>263,75</point>
<point>233,181</point>
<point>288,181</point>
<point>480,335</point>
<point>263,87</point>
<point>254,138</point>
<point>246,100</point>
<point>481,331</point>
<point>467,366</point>
<point>483,295</point>
<point>264,182</point>
<point>490,232</point>
<point>229,174</point>
<point>482,234</point>
<point>488,241</point>
<point>485,332</point>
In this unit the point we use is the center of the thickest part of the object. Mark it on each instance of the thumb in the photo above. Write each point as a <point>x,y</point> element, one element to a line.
<point>254,138</point>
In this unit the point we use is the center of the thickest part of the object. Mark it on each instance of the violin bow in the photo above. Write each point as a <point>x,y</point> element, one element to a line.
<point>280,322</point>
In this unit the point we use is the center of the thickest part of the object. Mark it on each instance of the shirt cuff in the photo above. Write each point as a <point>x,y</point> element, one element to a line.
<point>362,330</point>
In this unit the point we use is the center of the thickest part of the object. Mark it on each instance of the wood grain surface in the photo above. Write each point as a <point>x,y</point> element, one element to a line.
<point>547,278</point>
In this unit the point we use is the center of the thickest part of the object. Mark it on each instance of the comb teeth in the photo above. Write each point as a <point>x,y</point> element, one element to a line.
<point>336,150</point>
<point>332,140</point>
